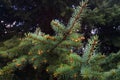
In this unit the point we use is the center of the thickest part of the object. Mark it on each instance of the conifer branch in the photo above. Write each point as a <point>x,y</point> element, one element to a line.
<point>92,49</point>
<point>72,25</point>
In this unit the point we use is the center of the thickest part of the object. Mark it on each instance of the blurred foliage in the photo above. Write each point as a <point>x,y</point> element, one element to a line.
<point>102,17</point>
<point>29,14</point>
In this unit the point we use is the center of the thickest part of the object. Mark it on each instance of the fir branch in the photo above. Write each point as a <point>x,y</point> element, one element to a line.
<point>90,48</point>
<point>72,26</point>
<point>95,41</point>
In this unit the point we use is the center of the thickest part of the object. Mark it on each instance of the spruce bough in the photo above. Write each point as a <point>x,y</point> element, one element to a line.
<point>55,55</point>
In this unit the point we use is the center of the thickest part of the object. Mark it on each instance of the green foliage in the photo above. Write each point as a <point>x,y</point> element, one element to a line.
<point>27,15</point>
<point>104,16</point>
<point>53,56</point>
<point>39,49</point>
<point>91,65</point>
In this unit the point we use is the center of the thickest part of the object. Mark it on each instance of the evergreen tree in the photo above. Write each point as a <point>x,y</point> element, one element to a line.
<point>53,57</point>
